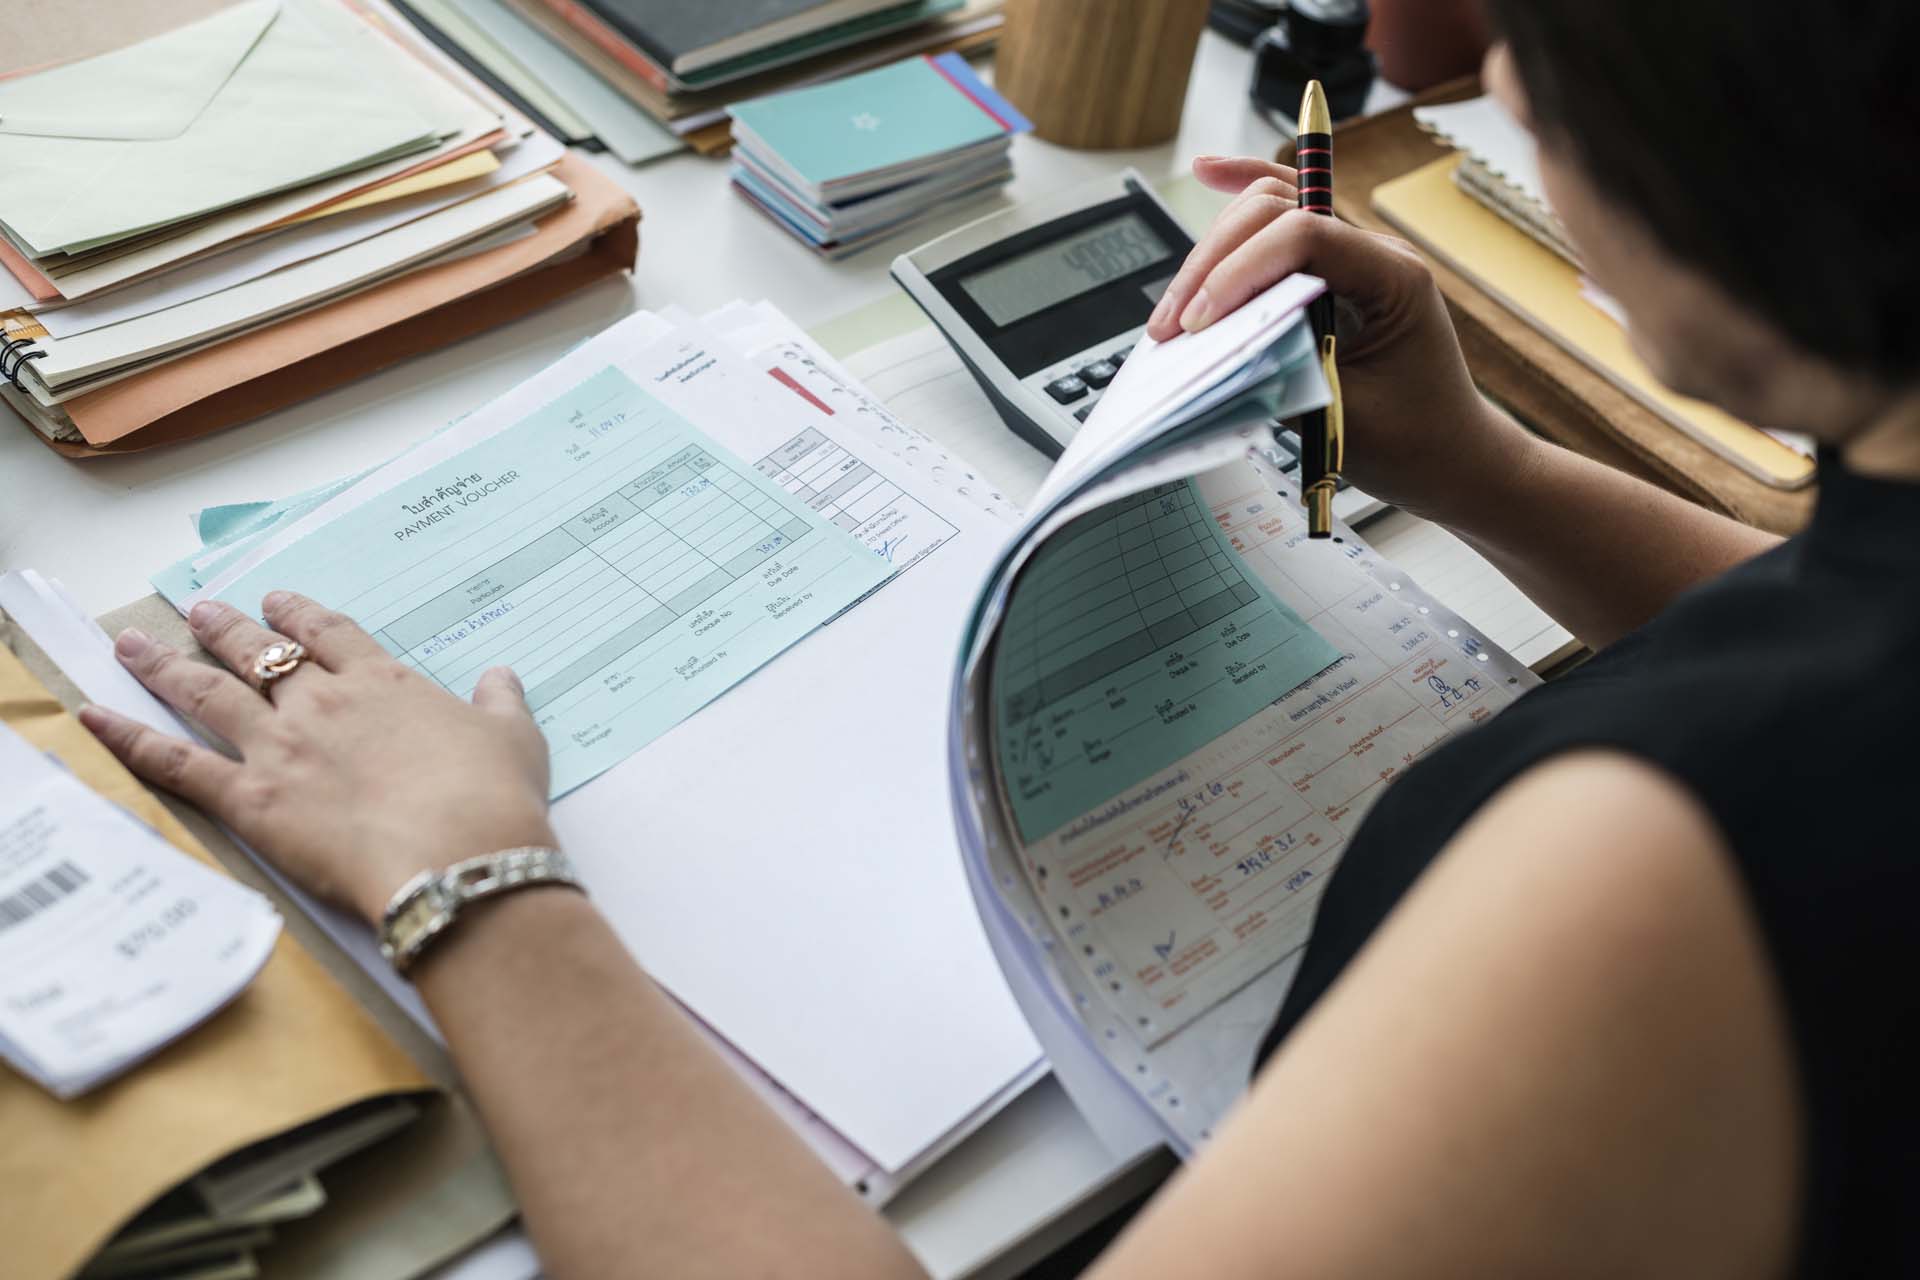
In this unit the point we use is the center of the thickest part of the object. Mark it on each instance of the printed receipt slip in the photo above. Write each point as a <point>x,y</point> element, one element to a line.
<point>112,943</point>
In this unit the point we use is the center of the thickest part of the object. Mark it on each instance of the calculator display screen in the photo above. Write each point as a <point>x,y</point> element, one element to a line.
<point>1032,281</point>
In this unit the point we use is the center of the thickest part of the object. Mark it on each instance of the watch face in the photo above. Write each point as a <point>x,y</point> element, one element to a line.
<point>1335,12</point>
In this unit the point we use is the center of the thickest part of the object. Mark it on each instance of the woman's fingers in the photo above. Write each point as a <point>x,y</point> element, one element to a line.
<point>1256,208</point>
<point>214,698</point>
<point>1235,173</point>
<point>1372,272</point>
<point>334,638</point>
<point>499,690</point>
<point>231,636</point>
<point>184,768</point>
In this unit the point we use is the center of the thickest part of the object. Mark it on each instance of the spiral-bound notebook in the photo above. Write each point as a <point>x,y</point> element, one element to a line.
<point>1427,206</point>
<point>1497,166</point>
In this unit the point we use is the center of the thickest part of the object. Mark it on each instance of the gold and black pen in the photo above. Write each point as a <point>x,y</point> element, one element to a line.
<point>1322,432</point>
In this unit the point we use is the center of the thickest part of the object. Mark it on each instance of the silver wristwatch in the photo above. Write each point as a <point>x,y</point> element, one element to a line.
<point>427,905</point>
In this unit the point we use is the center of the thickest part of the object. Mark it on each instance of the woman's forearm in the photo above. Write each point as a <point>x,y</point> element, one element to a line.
<point>633,1150</point>
<point>1600,550</point>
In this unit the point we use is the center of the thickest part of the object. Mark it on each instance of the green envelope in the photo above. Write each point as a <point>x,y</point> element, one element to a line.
<point>255,99</point>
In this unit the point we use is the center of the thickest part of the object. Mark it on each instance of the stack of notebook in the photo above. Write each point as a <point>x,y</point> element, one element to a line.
<point>643,78</point>
<point>843,165</point>
<point>214,208</point>
<point>1498,166</point>
<point>1466,210</point>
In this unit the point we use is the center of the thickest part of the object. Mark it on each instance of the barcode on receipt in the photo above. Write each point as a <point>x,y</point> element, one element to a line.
<point>39,894</point>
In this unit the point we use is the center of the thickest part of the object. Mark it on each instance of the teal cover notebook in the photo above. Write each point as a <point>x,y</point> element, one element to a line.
<point>891,116</point>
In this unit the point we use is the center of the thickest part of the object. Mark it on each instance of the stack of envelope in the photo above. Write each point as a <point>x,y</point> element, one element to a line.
<point>213,207</point>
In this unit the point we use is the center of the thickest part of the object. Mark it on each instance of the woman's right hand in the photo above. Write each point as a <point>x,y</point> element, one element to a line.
<point>355,770</point>
<point>1419,435</point>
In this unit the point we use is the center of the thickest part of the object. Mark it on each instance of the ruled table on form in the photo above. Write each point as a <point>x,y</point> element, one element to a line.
<point>627,567</point>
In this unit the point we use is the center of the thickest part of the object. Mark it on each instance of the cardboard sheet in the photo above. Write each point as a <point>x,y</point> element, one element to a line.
<point>393,1211</point>
<point>291,1049</point>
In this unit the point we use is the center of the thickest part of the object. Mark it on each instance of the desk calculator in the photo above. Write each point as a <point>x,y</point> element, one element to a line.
<point>1043,302</point>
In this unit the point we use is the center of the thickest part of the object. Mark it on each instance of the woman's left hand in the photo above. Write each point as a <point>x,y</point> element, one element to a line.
<point>355,771</point>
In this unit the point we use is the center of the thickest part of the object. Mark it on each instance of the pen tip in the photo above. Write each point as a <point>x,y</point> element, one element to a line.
<point>1314,116</point>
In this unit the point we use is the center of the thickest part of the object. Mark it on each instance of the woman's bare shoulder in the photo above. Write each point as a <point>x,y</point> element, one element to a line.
<point>1563,1053</point>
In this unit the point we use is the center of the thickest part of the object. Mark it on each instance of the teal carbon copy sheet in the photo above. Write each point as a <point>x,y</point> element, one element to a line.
<point>1134,637</point>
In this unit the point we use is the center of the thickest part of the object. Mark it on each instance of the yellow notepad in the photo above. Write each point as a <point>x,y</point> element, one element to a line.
<point>1544,290</point>
<point>475,164</point>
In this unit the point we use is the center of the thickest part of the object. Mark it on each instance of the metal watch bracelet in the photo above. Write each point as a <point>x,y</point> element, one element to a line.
<point>427,905</point>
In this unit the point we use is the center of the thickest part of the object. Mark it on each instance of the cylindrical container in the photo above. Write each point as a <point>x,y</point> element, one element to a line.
<point>1099,73</point>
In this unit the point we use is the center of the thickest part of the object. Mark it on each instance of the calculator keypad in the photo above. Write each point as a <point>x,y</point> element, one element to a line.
<point>1078,381</point>
<point>1068,389</point>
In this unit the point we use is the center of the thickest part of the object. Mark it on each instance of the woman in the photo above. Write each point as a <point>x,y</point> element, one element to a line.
<point>1618,983</point>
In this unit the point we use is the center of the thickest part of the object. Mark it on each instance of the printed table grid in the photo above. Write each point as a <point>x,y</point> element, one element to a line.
<point>1127,580</point>
<point>573,600</point>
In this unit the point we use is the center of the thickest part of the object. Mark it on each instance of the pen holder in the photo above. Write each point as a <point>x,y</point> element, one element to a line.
<point>1099,73</point>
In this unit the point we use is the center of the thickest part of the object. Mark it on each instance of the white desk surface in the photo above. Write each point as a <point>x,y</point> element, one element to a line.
<point>1036,1175</point>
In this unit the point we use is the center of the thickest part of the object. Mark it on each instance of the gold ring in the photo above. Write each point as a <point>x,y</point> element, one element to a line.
<point>276,661</point>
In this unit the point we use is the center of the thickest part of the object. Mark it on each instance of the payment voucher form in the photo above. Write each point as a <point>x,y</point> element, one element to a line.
<point>625,565</point>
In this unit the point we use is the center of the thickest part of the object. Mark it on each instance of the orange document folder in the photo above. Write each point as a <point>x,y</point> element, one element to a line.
<point>594,236</point>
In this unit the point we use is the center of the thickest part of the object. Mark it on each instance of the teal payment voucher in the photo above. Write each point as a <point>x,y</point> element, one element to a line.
<point>627,567</point>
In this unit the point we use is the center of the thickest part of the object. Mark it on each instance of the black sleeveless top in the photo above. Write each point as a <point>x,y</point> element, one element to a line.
<point>1786,695</point>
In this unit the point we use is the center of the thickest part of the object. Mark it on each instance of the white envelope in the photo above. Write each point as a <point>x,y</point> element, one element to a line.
<point>248,101</point>
<point>152,90</point>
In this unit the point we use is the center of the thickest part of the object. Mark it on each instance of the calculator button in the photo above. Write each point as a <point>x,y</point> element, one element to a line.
<point>1119,358</point>
<point>1066,390</point>
<point>1080,415</point>
<point>1099,373</point>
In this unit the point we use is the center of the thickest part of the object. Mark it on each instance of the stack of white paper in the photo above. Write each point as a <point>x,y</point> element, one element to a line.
<point>112,943</point>
<point>836,971</point>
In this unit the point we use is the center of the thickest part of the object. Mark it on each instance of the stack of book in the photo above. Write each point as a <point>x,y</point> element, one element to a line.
<point>643,78</point>
<point>842,165</point>
<point>213,209</point>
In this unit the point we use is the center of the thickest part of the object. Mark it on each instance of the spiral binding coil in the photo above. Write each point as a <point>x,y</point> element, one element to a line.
<point>19,351</point>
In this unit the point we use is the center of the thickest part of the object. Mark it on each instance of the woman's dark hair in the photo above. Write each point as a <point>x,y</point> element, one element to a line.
<point>1773,144</point>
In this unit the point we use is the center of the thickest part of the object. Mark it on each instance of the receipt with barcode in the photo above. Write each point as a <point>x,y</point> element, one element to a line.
<point>113,943</point>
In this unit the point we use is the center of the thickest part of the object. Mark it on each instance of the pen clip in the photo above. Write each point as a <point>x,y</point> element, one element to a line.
<point>1318,496</point>
<point>1336,455</point>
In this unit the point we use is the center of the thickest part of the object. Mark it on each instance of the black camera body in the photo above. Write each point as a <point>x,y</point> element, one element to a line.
<point>1314,40</point>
